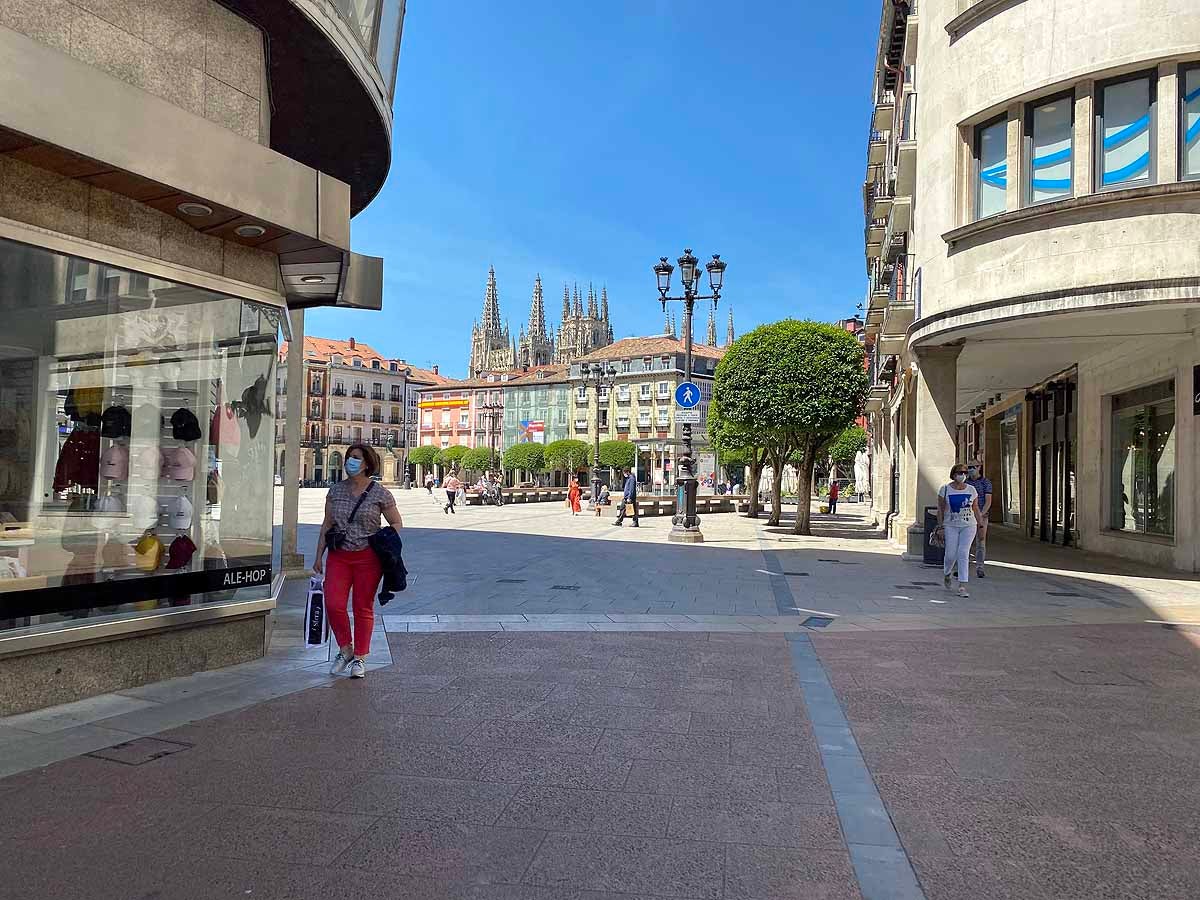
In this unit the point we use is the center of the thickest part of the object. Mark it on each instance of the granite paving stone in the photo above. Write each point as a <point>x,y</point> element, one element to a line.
<point>592,771</point>
<point>281,835</point>
<point>779,873</point>
<point>599,812</point>
<point>700,779</point>
<point>768,823</point>
<point>441,799</point>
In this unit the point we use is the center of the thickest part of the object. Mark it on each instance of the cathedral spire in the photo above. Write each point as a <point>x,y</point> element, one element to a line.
<point>729,329</point>
<point>578,310</point>
<point>491,303</point>
<point>710,337</point>
<point>604,304</point>
<point>592,312</point>
<point>537,312</point>
<point>667,329</point>
<point>674,327</point>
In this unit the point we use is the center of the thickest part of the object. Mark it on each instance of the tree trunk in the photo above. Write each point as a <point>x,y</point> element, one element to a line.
<point>804,474</point>
<point>776,492</point>
<point>752,486</point>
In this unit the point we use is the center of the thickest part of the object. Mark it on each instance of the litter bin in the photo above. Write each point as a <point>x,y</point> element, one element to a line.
<point>932,556</point>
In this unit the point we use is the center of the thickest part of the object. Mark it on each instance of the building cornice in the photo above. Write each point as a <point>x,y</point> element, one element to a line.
<point>975,13</point>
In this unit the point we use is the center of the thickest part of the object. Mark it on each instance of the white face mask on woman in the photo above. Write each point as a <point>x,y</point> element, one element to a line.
<point>960,477</point>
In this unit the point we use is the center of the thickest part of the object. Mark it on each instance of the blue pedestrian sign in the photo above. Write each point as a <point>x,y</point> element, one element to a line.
<point>687,395</point>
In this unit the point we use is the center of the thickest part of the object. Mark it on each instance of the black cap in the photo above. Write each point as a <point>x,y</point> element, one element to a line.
<point>116,422</point>
<point>184,425</point>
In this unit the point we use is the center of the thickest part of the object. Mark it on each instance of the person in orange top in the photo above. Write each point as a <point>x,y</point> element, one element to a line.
<point>573,495</point>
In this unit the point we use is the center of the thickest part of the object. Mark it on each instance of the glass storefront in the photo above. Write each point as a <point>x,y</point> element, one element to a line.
<point>1010,466</point>
<point>136,437</point>
<point>1143,460</point>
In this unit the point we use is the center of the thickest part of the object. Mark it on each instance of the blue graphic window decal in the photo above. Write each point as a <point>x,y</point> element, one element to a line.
<point>1051,126</point>
<point>991,160</point>
<point>1191,123</point>
<point>1125,140</point>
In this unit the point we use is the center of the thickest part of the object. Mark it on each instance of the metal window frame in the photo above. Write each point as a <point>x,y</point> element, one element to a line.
<point>976,146</point>
<point>1099,187</point>
<point>1027,147</point>
<point>1184,69</point>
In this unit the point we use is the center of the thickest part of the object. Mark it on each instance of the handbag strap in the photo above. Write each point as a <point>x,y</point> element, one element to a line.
<point>361,498</point>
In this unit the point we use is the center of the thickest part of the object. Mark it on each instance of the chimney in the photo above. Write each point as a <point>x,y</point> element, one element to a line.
<point>435,370</point>
<point>351,343</point>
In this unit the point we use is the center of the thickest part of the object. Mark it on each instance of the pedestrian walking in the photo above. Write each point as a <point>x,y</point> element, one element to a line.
<point>834,491</point>
<point>628,498</point>
<point>351,569</point>
<point>958,520</point>
<point>452,486</point>
<point>573,495</point>
<point>983,487</point>
<point>429,480</point>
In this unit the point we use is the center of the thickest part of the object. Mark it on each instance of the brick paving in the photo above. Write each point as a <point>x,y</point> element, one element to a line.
<point>479,765</point>
<point>1055,763</point>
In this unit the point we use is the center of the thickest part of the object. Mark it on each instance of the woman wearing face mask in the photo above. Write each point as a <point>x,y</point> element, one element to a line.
<point>958,519</point>
<point>353,508</point>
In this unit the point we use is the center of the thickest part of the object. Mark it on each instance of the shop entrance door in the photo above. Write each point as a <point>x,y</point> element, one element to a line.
<point>1054,454</point>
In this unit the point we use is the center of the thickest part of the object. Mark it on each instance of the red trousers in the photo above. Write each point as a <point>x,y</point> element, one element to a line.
<point>358,571</point>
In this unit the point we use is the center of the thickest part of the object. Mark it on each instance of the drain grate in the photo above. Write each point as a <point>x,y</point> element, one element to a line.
<point>817,621</point>
<point>926,583</point>
<point>140,751</point>
<point>795,573</point>
<point>510,581</point>
<point>908,587</point>
<point>564,587</point>
<point>1062,594</point>
<point>819,559</point>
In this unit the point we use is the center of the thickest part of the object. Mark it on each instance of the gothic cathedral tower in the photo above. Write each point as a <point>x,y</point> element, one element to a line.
<point>491,346</point>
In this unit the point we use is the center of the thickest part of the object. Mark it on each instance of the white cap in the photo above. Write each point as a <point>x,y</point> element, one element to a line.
<point>176,512</point>
<point>143,510</point>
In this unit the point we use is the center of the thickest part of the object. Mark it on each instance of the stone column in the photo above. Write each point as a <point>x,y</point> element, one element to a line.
<point>1167,117</point>
<point>1083,147</point>
<point>291,557</point>
<point>936,399</point>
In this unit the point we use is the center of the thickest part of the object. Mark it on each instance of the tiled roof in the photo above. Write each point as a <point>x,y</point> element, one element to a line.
<point>650,346</point>
<point>323,349</point>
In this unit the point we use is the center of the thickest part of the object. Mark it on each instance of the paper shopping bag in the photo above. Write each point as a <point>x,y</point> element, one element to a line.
<point>316,628</point>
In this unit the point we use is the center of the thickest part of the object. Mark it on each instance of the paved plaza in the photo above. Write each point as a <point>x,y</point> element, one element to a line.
<point>558,708</point>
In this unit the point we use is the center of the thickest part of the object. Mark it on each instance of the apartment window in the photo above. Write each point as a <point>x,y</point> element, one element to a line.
<point>647,364</point>
<point>1142,438</point>
<point>623,393</point>
<point>1125,132</point>
<point>1189,117</point>
<point>664,389</point>
<point>663,417</point>
<point>374,364</point>
<point>604,418</point>
<point>1049,127</point>
<point>623,423</point>
<point>581,394</point>
<point>666,362</point>
<point>337,432</point>
<point>464,420</point>
<point>644,417</point>
<point>445,417</point>
<point>644,391</point>
<point>627,365</point>
<point>357,433</point>
<point>358,362</point>
<point>991,167</point>
<point>445,442</point>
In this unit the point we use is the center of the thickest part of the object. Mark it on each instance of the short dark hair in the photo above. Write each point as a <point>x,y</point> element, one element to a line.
<point>370,457</point>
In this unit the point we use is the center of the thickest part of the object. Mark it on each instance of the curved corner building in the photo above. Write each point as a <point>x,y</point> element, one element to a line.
<point>1033,250</point>
<point>173,178</point>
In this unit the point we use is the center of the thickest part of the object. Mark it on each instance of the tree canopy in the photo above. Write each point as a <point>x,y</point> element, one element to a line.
<point>477,460</point>
<point>423,456</point>
<point>527,457</point>
<point>844,447</point>
<point>790,386</point>
<point>617,454</point>
<point>566,455</point>
<point>452,456</point>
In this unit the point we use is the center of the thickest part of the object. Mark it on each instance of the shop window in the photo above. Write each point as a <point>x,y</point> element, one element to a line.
<point>1189,118</point>
<point>128,433</point>
<point>1049,129</point>
<point>1125,132</point>
<point>1142,439</point>
<point>991,167</point>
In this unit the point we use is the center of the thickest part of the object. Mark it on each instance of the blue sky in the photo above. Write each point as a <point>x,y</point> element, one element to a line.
<point>585,140</point>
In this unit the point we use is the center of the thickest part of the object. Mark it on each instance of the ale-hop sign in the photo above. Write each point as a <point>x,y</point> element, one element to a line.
<point>1196,390</point>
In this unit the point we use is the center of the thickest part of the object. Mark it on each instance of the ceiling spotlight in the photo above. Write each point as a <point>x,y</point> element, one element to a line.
<point>249,231</point>
<point>191,208</point>
<point>313,279</point>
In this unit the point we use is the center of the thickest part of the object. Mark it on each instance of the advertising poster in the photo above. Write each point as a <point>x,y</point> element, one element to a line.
<point>533,431</point>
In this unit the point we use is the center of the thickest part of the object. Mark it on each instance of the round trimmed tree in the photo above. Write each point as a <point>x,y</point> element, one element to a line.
<point>791,386</point>
<point>451,457</point>
<point>525,458</point>
<point>478,460</point>
<point>424,457</point>
<point>566,455</point>
<point>617,454</point>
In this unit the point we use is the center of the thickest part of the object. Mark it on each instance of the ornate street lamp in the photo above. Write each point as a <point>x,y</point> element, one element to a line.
<point>685,524</point>
<point>601,375</point>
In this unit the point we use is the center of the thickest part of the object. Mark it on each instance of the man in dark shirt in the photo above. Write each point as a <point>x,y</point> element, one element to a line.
<point>629,497</point>
<point>983,487</point>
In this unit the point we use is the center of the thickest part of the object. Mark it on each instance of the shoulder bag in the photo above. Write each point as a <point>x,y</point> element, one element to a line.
<point>335,537</point>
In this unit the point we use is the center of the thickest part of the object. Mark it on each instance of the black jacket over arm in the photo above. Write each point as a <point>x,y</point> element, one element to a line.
<point>390,549</point>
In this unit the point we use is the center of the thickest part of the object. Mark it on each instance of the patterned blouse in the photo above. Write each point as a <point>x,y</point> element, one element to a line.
<point>341,501</point>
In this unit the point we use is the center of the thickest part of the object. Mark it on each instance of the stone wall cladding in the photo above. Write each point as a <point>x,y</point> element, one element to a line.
<point>47,200</point>
<point>195,54</point>
<point>65,674</point>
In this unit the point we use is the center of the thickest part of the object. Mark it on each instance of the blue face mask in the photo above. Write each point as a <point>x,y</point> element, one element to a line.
<point>353,466</point>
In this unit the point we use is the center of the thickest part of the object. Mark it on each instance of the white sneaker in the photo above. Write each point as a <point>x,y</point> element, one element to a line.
<point>340,662</point>
<point>962,591</point>
<point>358,668</point>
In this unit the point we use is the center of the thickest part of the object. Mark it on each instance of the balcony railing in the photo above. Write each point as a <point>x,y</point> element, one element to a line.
<point>358,417</point>
<point>581,424</point>
<point>375,417</point>
<point>395,420</point>
<point>338,392</point>
<point>376,395</point>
